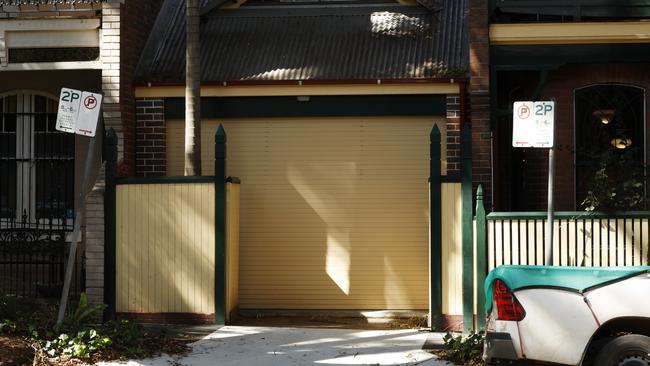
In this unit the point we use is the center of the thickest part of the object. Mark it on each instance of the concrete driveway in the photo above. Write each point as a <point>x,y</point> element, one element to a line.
<point>252,346</point>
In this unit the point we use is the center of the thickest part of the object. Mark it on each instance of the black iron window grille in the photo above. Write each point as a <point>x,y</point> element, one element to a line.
<point>36,196</point>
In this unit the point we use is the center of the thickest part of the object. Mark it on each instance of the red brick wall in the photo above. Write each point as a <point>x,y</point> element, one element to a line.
<point>137,18</point>
<point>560,86</point>
<point>151,159</point>
<point>453,134</point>
<point>479,97</point>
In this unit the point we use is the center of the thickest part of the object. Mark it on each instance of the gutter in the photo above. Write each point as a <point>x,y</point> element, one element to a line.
<point>463,81</point>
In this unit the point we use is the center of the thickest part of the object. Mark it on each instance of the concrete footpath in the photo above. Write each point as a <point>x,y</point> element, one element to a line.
<point>252,346</point>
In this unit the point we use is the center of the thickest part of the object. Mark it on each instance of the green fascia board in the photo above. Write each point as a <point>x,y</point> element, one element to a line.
<point>316,106</point>
<point>164,180</point>
<point>569,215</point>
<point>537,57</point>
<point>451,177</point>
<point>586,8</point>
<point>576,279</point>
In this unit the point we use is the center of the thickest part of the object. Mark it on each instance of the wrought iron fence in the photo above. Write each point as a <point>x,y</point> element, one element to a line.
<point>36,205</point>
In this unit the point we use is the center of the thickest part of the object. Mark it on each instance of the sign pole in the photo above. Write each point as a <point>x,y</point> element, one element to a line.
<point>550,217</point>
<point>533,125</point>
<point>77,230</point>
<point>78,113</point>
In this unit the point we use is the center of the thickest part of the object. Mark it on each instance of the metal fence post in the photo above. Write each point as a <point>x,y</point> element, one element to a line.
<point>481,260</point>
<point>435,250</point>
<point>220,225</point>
<point>110,156</point>
<point>467,232</point>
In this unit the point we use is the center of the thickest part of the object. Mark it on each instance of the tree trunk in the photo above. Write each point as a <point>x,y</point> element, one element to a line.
<point>192,90</point>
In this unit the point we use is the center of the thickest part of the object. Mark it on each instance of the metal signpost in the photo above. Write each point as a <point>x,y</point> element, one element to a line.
<point>78,113</point>
<point>533,125</point>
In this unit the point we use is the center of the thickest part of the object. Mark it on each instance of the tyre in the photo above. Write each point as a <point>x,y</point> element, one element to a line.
<point>627,350</point>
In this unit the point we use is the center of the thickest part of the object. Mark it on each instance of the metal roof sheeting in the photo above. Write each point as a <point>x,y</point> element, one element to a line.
<point>311,43</point>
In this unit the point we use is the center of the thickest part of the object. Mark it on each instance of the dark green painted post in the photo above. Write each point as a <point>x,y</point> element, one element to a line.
<point>110,156</point>
<point>435,250</point>
<point>481,258</point>
<point>220,226</point>
<point>467,230</point>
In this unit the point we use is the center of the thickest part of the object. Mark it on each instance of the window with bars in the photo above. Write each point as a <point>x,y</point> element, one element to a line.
<point>610,146</point>
<point>36,162</point>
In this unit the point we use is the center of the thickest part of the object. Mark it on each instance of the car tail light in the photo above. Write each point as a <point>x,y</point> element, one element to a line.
<point>508,307</point>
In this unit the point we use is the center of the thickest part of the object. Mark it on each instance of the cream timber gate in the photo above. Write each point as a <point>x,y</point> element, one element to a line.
<point>172,250</point>
<point>165,248</point>
<point>334,211</point>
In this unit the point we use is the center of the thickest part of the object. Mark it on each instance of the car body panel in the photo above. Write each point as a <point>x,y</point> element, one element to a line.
<point>498,326</point>
<point>627,298</point>
<point>565,308</point>
<point>557,327</point>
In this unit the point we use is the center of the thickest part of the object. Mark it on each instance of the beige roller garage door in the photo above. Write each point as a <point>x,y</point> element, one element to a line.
<point>334,211</point>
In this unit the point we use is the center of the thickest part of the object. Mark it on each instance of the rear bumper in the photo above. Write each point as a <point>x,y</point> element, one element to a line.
<point>498,346</point>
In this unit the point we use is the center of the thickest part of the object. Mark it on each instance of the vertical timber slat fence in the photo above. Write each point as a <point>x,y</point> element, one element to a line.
<point>446,242</point>
<point>580,238</point>
<point>232,248</point>
<point>172,245</point>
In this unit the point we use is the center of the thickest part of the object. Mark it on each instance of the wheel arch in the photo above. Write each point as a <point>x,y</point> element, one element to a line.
<point>612,328</point>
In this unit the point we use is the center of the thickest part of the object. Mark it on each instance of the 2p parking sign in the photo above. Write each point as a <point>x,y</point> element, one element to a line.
<point>533,124</point>
<point>78,112</point>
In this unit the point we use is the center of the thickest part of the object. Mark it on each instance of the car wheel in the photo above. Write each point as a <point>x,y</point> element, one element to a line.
<point>627,350</point>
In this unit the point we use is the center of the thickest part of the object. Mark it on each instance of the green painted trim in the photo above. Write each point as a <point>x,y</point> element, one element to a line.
<point>317,106</point>
<point>467,229</point>
<point>569,215</point>
<point>450,179</point>
<point>453,178</point>
<point>481,259</point>
<point>535,57</point>
<point>110,224</point>
<point>435,213</point>
<point>576,9</point>
<point>220,226</point>
<point>163,180</point>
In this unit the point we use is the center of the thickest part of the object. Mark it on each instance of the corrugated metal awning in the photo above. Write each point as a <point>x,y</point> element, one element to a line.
<point>312,43</point>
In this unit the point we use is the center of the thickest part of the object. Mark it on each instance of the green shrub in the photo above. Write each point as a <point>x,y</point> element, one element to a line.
<point>465,349</point>
<point>82,316</point>
<point>82,346</point>
<point>127,337</point>
<point>7,326</point>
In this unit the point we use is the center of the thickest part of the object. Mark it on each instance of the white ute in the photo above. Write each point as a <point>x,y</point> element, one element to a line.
<point>568,315</point>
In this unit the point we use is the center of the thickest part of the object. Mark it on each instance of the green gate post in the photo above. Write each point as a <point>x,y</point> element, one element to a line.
<point>220,225</point>
<point>467,230</point>
<point>481,259</point>
<point>435,251</point>
<point>110,156</point>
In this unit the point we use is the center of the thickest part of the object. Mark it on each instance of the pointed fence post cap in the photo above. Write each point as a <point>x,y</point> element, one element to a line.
<point>479,192</point>
<point>111,136</point>
<point>435,133</point>
<point>220,136</point>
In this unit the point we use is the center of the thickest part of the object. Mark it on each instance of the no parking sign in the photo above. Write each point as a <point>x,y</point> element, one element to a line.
<point>78,112</point>
<point>533,124</point>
